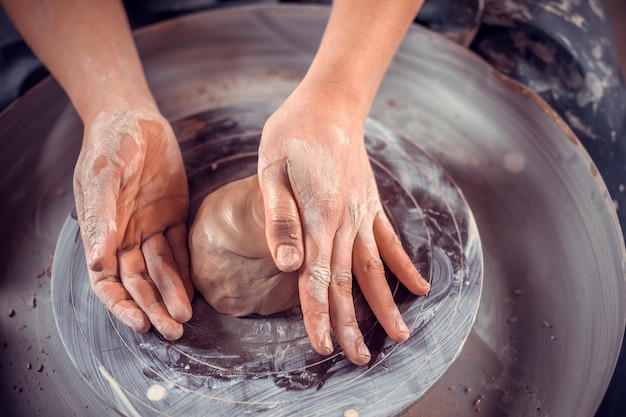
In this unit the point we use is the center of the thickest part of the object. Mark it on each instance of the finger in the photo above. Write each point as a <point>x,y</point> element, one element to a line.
<point>342,314</point>
<point>144,292</point>
<point>163,272</point>
<point>370,274</point>
<point>396,258</point>
<point>313,283</point>
<point>97,213</point>
<point>283,229</point>
<point>177,238</point>
<point>116,299</point>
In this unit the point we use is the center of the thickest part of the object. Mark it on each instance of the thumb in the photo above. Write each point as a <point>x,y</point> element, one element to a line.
<point>283,229</point>
<point>97,211</point>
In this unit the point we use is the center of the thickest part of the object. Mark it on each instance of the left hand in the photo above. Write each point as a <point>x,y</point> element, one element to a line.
<point>132,199</point>
<point>324,216</point>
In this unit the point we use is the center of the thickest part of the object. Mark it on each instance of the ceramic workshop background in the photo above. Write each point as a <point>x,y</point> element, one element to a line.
<point>563,52</point>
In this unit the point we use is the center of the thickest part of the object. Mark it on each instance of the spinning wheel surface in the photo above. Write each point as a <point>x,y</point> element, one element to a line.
<point>265,365</point>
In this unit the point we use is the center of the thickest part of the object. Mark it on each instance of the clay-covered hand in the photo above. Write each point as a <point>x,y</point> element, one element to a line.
<point>324,216</point>
<point>132,200</point>
<point>231,265</point>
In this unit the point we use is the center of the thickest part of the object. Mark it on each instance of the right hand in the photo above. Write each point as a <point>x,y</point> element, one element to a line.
<point>324,217</point>
<point>132,200</point>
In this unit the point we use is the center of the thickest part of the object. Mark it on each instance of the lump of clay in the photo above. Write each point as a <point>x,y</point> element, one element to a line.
<point>231,265</point>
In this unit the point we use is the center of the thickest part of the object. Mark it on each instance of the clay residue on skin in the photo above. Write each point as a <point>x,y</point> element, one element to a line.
<point>231,265</point>
<point>325,175</point>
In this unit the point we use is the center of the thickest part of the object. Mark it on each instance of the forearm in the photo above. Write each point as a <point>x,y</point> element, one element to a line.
<point>88,48</point>
<point>359,42</point>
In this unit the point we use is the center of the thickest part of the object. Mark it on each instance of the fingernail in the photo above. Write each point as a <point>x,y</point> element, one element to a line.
<point>362,349</point>
<point>327,344</point>
<point>402,330</point>
<point>287,255</point>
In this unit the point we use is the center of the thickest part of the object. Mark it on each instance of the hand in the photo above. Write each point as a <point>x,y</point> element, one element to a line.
<point>231,264</point>
<point>132,200</point>
<point>324,216</point>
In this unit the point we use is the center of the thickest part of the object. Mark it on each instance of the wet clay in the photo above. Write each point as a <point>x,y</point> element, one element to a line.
<point>231,265</point>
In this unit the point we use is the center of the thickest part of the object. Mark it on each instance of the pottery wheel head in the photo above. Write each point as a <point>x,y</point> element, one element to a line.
<point>266,365</point>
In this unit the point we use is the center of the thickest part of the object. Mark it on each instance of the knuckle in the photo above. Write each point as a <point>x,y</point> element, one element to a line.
<point>281,223</point>
<point>353,210</point>
<point>374,266</point>
<point>90,224</point>
<point>159,246</point>
<point>350,322</point>
<point>342,281</point>
<point>389,304</point>
<point>407,264</point>
<point>393,240</point>
<point>98,286</point>
<point>317,286</point>
<point>320,274</point>
<point>315,316</point>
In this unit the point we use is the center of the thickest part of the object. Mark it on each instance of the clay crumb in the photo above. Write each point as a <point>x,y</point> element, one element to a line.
<point>40,369</point>
<point>553,338</point>
<point>478,400</point>
<point>467,389</point>
<point>33,302</point>
<point>513,319</point>
<point>546,323</point>
<point>41,272</point>
<point>518,291</point>
<point>451,388</point>
<point>11,313</point>
<point>28,365</point>
<point>394,104</point>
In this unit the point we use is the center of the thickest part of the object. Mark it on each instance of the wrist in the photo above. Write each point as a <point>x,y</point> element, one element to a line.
<point>111,97</point>
<point>335,96</point>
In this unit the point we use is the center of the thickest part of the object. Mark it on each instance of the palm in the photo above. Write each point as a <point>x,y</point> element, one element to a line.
<point>155,197</point>
<point>131,199</point>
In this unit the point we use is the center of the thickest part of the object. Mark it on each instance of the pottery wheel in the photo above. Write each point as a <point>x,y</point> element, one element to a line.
<point>265,365</point>
<point>551,315</point>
